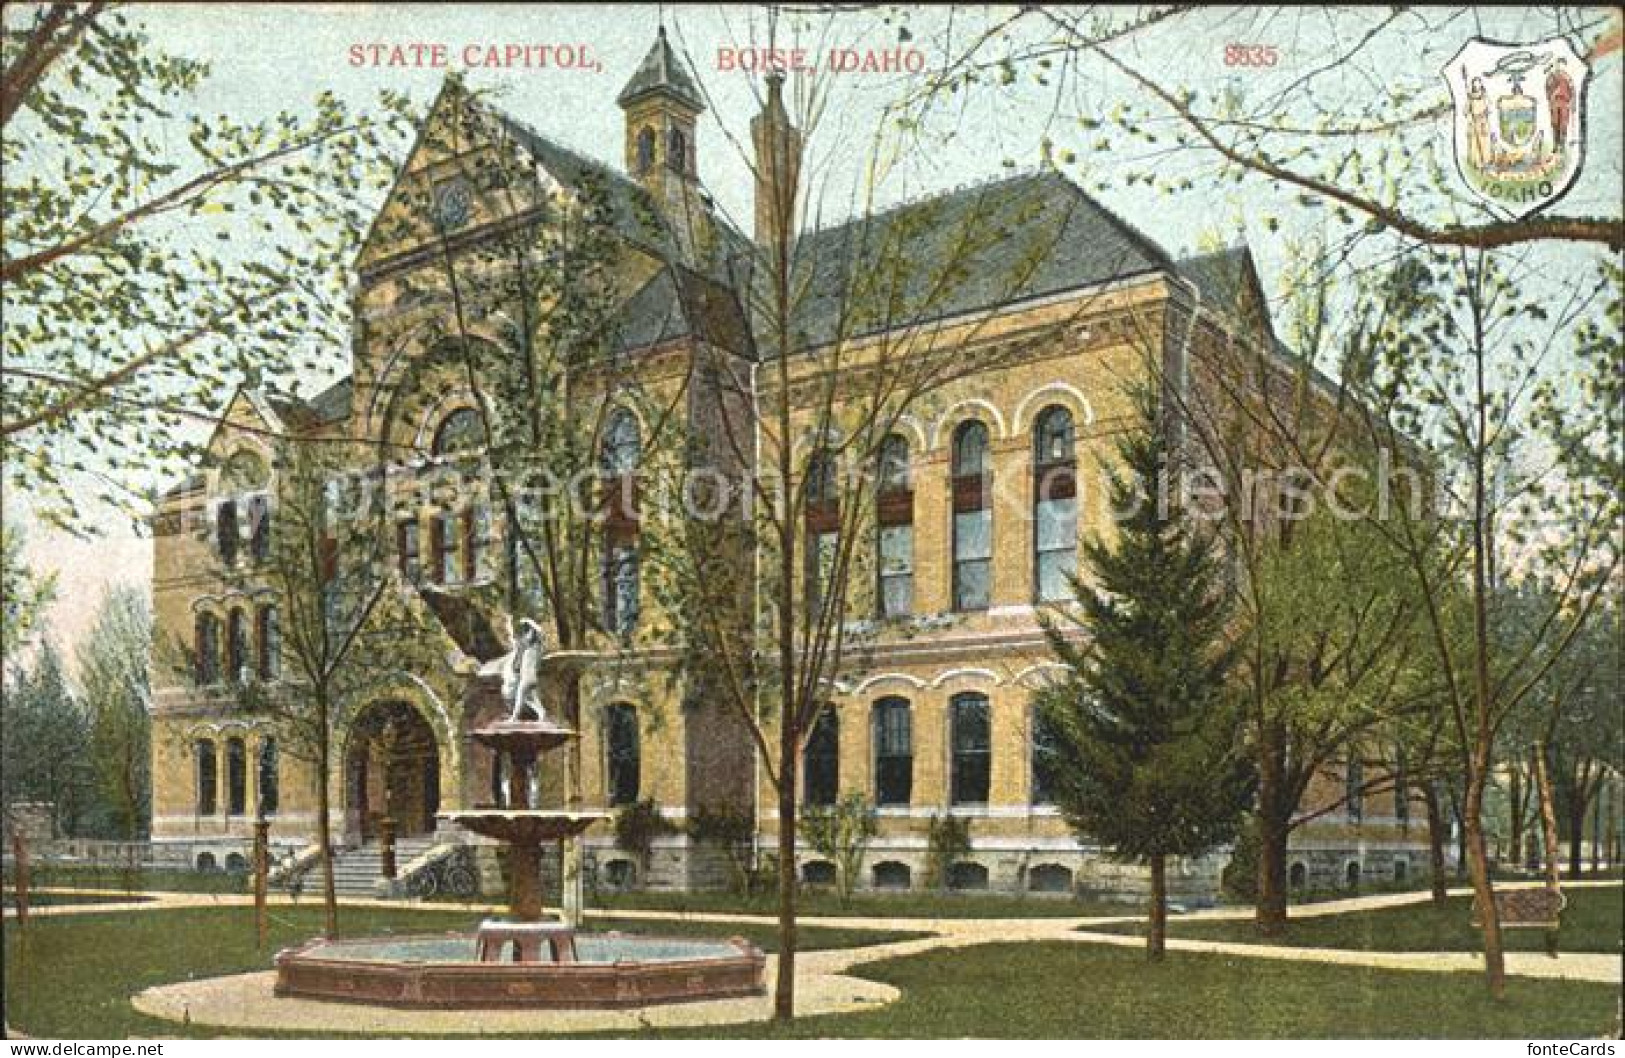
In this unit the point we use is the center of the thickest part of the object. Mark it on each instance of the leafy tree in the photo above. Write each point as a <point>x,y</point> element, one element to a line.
<point>45,731</point>
<point>24,595</point>
<point>842,832</point>
<point>132,298</point>
<point>1148,758</point>
<point>112,666</point>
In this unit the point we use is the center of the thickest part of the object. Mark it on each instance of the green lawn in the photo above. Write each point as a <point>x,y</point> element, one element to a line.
<point>1593,922</point>
<point>37,899</point>
<point>873,905</point>
<point>124,879</point>
<point>72,975</point>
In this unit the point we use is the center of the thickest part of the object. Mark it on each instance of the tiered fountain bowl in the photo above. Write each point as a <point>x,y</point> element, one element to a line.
<point>527,960</point>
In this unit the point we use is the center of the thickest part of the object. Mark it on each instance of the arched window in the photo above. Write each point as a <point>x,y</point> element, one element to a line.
<point>621,453</point>
<point>236,777</point>
<point>624,753</point>
<point>646,148</point>
<point>206,771</point>
<point>971,737</point>
<point>408,546</point>
<point>259,527</point>
<point>1055,505</point>
<point>821,483</point>
<point>479,543</point>
<point>1043,760</point>
<point>237,670</point>
<point>458,432</point>
<point>894,752</point>
<point>1049,878</point>
<point>973,518</point>
<point>623,442</point>
<point>206,645</point>
<point>894,514</point>
<point>270,793</point>
<point>818,872</point>
<point>243,471</point>
<point>821,760</point>
<point>889,874</point>
<point>443,546</point>
<point>677,149</point>
<point>268,639</point>
<point>1298,876</point>
<point>967,875</point>
<point>226,531</point>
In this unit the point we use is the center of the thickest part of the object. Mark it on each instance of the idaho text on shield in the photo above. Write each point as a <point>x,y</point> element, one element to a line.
<point>1519,121</point>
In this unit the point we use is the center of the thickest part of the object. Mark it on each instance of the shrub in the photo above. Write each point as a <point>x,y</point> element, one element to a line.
<point>947,842</point>
<point>841,832</point>
<point>636,828</point>
<point>732,830</point>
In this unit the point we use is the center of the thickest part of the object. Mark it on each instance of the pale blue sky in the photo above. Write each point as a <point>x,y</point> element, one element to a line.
<point>274,57</point>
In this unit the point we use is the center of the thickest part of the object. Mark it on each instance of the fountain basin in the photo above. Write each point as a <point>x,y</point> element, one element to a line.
<point>524,826</point>
<point>612,970</point>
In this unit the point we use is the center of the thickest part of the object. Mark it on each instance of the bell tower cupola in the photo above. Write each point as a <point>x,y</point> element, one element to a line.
<point>661,106</point>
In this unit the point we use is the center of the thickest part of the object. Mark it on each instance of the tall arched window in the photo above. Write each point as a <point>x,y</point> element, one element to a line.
<point>270,793</point>
<point>971,736</point>
<point>624,753</point>
<point>236,777</point>
<point>1055,505</point>
<point>894,515</point>
<point>677,149</point>
<point>621,453</point>
<point>821,760</point>
<point>821,483</point>
<point>226,531</point>
<point>268,639</point>
<point>646,148</point>
<point>973,517</point>
<point>1043,760</point>
<point>894,752</point>
<point>458,432</point>
<point>206,771</point>
<point>237,670</point>
<point>206,647</point>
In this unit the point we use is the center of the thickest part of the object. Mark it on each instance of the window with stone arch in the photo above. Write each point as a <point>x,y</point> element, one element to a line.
<point>970,737</point>
<point>236,776</point>
<point>623,753</point>
<point>267,780</point>
<point>677,149</point>
<point>821,760</point>
<point>646,148</point>
<point>206,648</point>
<point>973,517</point>
<point>1055,504</point>
<point>821,497</point>
<point>459,432</point>
<point>894,752</point>
<point>205,772</point>
<point>620,454</point>
<point>237,669</point>
<point>894,517</point>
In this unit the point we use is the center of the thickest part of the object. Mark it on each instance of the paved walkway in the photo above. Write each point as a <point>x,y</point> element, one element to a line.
<point>825,984</point>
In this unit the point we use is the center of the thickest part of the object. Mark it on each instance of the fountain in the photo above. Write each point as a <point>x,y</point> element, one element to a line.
<point>525,960</point>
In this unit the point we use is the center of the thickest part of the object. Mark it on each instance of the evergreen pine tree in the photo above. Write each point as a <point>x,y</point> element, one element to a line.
<point>1145,740</point>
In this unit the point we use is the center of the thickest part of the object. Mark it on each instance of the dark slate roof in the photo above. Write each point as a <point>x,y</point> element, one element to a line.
<point>634,214</point>
<point>661,72</point>
<point>1221,276</point>
<point>973,248</point>
<point>679,303</point>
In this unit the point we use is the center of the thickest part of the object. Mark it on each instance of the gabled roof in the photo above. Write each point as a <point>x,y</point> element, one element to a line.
<point>661,73</point>
<point>679,303</point>
<point>973,248</point>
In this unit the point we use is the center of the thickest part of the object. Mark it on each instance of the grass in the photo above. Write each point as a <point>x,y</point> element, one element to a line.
<point>72,976</point>
<point>1592,922</point>
<point>66,899</point>
<point>912,904</point>
<point>124,879</point>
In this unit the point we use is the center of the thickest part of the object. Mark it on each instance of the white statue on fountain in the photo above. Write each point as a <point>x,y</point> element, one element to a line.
<point>521,676</point>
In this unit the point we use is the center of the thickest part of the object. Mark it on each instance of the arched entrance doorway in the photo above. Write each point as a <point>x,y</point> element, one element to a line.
<point>392,768</point>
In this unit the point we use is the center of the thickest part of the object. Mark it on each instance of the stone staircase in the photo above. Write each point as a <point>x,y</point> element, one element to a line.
<point>356,871</point>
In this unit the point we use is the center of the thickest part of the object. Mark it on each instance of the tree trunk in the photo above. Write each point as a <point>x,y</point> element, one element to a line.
<point>1478,868</point>
<point>1548,821</point>
<point>1577,825</point>
<point>1270,908</point>
<point>1436,868</point>
<point>1515,814</point>
<point>784,988</point>
<point>324,838</point>
<point>1156,937</point>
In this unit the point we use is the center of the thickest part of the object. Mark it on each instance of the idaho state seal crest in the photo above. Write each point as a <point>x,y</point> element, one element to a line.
<point>1519,120</point>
